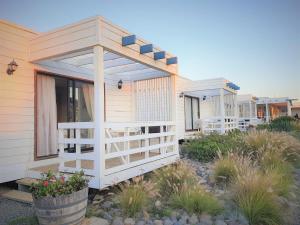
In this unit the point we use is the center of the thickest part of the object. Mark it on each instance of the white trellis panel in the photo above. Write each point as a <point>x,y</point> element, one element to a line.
<point>153,99</point>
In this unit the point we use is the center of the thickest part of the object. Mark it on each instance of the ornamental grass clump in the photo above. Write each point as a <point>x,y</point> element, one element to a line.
<point>255,198</point>
<point>134,197</point>
<point>172,178</point>
<point>263,142</point>
<point>194,199</point>
<point>225,170</point>
<point>280,172</point>
<point>51,185</point>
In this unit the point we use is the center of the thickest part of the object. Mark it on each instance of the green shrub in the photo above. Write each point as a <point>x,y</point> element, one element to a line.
<point>206,148</point>
<point>135,196</point>
<point>254,197</point>
<point>283,123</point>
<point>196,200</point>
<point>225,170</point>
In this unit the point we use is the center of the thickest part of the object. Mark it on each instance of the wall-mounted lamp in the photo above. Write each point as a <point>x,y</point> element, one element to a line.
<point>181,95</point>
<point>11,67</point>
<point>204,98</point>
<point>120,83</point>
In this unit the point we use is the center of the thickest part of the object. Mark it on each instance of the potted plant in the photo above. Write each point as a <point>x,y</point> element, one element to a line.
<point>60,201</point>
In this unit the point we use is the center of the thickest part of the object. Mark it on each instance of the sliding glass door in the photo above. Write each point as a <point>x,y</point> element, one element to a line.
<point>60,100</point>
<point>192,112</point>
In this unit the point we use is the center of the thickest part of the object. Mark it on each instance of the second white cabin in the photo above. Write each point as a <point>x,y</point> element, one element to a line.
<point>205,106</point>
<point>247,111</point>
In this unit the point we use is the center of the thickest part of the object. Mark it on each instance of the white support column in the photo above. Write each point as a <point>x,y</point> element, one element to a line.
<point>236,110</point>
<point>174,109</point>
<point>255,110</point>
<point>250,110</point>
<point>99,133</point>
<point>222,111</point>
<point>267,113</point>
<point>289,108</point>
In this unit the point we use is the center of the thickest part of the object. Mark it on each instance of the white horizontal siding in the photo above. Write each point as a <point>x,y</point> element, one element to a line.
<point>16,103</point>
<point>119,105</point>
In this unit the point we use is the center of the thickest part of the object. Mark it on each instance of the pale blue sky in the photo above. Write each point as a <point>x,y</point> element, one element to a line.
<point>255,44</point>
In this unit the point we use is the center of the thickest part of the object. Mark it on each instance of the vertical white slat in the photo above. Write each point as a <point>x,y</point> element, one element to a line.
<point>78,149</point>
<point>61,149</point>
<point>147,141</point>
<point>126,144</point>
<point>161,98</point>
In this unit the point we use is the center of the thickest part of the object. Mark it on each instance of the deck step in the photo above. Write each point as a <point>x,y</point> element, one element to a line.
<point>19,196</point>
<point>27,181</point>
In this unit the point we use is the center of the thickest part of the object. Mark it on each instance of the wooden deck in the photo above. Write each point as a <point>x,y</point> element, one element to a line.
<point>88,164</point>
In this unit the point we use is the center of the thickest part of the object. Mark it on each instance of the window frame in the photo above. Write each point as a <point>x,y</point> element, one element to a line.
<point>192,115</point>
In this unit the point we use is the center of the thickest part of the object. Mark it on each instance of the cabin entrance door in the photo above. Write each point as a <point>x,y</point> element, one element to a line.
<point>59,100</point>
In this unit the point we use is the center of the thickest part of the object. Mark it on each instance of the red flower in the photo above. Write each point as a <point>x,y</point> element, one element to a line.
<point>45,183</point>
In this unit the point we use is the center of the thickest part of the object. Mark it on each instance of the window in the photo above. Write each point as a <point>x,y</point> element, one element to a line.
<point>192,113</point>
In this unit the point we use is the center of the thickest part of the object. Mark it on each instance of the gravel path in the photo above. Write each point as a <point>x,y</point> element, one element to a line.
<point>10,210</point>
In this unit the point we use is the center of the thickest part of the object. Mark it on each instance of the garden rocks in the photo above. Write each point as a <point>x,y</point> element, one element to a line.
<point>193,219</point>
<point>205,219</point>
<point>129,221</point>
<point>107,204</point>
<point>168,222</point>
<point>158,222</point>
<point>117,221</point>
<point>95,221</point>
<point>220,222</point>
<point>141,222</point>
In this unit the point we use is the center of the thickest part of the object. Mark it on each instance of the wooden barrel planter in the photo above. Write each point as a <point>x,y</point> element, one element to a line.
<point>62,210</point>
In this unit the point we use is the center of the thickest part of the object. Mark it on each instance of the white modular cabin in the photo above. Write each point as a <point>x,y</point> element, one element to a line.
<point>87,96</point>
<point>247,111</point>
<point>271,108</point>
<point>205,106</point>
<point>296,109</point>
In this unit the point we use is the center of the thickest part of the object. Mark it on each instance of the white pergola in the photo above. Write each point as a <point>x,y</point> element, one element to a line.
<point>99,51</point>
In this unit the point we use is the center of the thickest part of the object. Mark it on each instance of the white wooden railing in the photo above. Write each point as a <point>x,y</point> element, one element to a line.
<point>71,162</point>
<point>127,146</point>
<point>214,124</point>
<point>245,123</point>
<point>137,143</point>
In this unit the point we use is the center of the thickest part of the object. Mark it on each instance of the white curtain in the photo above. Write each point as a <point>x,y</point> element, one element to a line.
<point>88,93</point>
<point>188,113</point>
<point>46,116</point>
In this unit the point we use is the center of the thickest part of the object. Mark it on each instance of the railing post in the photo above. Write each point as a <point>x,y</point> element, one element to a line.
<point>78,149</point>
<point>147,141</point>
<point>99,134</point>
<point>222,110</point>
<point>61,149</point>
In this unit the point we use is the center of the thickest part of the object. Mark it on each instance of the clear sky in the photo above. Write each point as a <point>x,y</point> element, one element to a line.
<point>254,43</point>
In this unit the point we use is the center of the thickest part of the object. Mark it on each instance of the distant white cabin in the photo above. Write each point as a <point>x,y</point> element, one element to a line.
<point>296,109</point>
<point>271,108</point>
<point>87,96</point>
<point>247,111</point>
<point>205,106</point>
